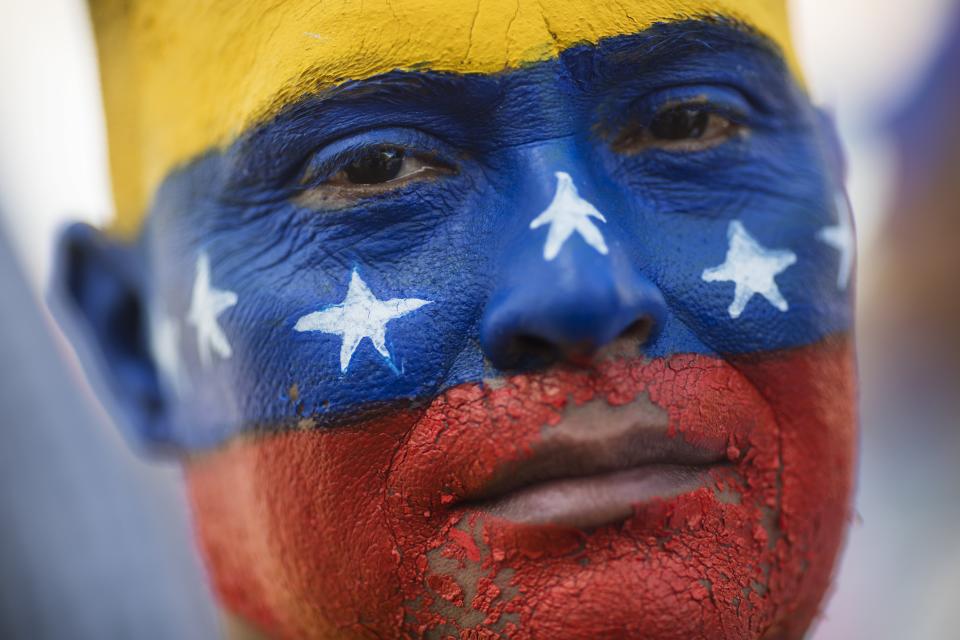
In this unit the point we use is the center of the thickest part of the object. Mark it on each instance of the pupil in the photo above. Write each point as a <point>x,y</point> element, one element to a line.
<point>380,165</point>
<point>680,123</point>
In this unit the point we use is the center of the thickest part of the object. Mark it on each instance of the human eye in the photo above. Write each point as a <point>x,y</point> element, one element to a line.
<point>344,176</point>
<point>683,124</point>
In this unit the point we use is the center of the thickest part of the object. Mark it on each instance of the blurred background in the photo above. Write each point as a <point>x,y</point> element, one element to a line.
<point>888,71</point>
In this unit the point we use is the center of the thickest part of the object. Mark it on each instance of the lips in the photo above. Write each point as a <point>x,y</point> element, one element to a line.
<point>595,464</point>
<point>572,447</point>
<point>359,530</point>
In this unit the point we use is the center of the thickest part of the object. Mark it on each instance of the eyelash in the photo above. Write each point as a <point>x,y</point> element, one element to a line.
<point>315,186</point>
<point>713,114</point>
<point>314,173</point>
<point>324,163</point>
<point>324,181</point>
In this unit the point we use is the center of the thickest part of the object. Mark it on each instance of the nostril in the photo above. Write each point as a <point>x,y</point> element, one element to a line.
<point>528,350</point>
<point>631,340</point>
<point>578,319</point>
<point>638,331</point>
<point>533,345</point>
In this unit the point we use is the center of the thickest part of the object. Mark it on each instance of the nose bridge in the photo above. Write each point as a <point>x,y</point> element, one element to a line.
<point>566,281</point>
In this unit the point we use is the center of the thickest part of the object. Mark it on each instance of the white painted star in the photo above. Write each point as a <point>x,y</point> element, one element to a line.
<point>841,237</point>
<point>569,213</point>
<point>206,304</point>
<point>165,346</point>
<point>752,268</point>
<point>360,315</point>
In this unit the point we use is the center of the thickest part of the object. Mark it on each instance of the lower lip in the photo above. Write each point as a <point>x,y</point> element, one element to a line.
<point>593,501</point>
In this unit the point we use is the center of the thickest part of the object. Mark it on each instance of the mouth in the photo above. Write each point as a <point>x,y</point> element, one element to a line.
<point>596,465</point>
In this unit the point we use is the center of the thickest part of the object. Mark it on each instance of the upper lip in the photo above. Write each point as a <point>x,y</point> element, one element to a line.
<point>597,438</point>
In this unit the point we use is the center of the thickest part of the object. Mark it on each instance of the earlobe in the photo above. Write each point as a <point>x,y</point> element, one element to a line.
<point>98,296</point>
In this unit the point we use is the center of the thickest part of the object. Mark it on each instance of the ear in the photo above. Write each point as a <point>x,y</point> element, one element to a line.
<point>98,297</point>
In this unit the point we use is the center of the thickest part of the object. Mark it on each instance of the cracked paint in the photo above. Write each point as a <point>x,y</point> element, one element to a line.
<point>366,530</point>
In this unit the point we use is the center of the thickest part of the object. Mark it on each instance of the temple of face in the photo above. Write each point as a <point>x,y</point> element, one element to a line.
<point>486,319</point>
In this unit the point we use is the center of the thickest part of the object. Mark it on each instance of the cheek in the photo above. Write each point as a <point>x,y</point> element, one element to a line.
<point>349,532</point>
<point>814,396</point>
<point>294,530</point>
<point>750,557</point>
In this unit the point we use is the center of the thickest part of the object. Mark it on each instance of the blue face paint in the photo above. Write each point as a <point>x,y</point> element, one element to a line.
<point>463,240</point>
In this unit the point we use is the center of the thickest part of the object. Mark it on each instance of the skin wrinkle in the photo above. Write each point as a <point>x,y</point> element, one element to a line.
<point>671,542</point>
<point>626,12</point>
<point>772,530</point>
<point>349,499</point>
<point>390,474</point>
<point>353,89</point>
<point>507,37</point>
<point>470,37</point>
<point>546,23</point>
<point>252,80</point>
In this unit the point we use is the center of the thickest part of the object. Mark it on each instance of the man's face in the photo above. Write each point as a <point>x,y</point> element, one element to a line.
<point>559,351</point>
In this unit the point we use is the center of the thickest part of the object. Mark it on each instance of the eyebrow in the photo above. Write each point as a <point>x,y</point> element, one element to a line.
<point>412,97</point>
<point>673,40</point>
<point>670,44</point>
<point>429,90</point>
<point>400,85</point>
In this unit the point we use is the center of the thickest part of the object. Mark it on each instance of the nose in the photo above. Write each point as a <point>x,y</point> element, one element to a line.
<point>539,321</point>
<point>567,304</point>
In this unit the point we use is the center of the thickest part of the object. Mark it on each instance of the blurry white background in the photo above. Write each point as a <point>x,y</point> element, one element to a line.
<point>53,156</point>
<point>861,56</point>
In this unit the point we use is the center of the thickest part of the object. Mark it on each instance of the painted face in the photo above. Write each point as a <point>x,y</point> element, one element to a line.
<point>521,338</point>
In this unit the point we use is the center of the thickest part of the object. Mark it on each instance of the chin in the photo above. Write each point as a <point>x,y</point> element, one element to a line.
<point>682,497</point>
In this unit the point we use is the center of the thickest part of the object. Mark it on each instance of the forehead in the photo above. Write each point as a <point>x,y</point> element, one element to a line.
<point>181,76</point>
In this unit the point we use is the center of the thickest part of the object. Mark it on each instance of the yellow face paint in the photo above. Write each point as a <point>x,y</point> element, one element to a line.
<point>182,76</point>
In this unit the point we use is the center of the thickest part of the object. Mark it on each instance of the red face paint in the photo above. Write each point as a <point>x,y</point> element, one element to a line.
<point>362,531</point>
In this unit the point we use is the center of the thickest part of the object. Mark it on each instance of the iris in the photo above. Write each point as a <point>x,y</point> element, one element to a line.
<point>375,166</point>
<point>680,123</point>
